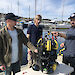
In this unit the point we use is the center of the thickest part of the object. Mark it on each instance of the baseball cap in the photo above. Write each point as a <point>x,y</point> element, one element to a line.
<point>72,16</point>
<point>11,16</point>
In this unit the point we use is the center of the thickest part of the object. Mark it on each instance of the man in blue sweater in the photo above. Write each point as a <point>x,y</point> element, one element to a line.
<point>34,33</point>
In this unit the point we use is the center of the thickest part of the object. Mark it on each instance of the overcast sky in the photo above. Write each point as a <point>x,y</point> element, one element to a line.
<point>49,9</point>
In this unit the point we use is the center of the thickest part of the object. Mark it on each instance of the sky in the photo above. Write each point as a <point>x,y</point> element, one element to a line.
<point>49,9</point>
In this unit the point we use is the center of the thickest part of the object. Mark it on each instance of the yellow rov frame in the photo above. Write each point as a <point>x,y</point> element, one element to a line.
<point>48,46</point>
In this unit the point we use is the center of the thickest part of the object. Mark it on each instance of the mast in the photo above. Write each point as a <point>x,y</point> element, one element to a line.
<point>35,6</point>
<point>18,7</point>
<point>63,10</point>
<point>29,11</point>
<point>11,5</point>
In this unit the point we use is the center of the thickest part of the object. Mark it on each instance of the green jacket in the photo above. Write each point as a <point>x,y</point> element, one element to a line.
<point>5,45</point>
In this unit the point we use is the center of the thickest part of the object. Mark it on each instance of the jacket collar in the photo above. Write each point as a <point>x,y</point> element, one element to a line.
<point>6,32</point>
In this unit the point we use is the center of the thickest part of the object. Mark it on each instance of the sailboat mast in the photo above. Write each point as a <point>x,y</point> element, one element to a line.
<point>63,10</point>
<point>18,7</point>
<point>35,6</point>
<point>29,11</point>
<point>11,5</point>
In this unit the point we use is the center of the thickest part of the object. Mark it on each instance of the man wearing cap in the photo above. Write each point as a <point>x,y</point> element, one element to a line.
<point>69,53</point>
<point>11,40</point>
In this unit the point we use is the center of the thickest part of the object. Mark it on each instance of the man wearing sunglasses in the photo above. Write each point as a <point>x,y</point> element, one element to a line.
<point>34,33</point>
<point>69,53</point>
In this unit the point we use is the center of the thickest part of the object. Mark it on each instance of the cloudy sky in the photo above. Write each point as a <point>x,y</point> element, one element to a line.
<point>50,9</point>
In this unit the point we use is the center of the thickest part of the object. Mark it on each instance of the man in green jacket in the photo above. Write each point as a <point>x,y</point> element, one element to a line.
<point>11,40</point>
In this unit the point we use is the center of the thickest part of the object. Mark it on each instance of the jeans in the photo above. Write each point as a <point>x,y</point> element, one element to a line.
<point>15,67</point>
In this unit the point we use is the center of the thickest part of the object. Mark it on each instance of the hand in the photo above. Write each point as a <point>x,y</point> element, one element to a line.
<point>29,51</point>
<point>55,33</point>
<point>62,45</point>
<point>2,67</point>
<point>36,51</point>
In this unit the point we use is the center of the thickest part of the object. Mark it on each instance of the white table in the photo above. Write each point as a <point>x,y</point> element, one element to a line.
<point>62,69</point>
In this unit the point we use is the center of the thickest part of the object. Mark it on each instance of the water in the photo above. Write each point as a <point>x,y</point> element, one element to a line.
<point>59,39</point>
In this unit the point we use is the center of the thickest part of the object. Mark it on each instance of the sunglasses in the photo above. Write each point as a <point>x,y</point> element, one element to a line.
<point>72,20</point>
<point>38,19</point>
